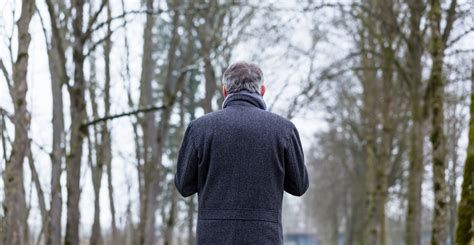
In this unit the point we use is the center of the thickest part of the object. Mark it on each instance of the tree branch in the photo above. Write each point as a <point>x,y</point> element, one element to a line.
<point>93,19</point>
<point>143,110</point>
<point>91,30</point>
<point>4,146</point>
<point>449,21</point>
<point>103,39</point>
<point>458,38</point>
<point>5,74</point>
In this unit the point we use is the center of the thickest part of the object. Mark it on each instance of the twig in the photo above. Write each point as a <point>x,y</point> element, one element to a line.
<point>5,74</point>
<point>100,41</point>
<point>458,38</point>
<point>91,30</point>
<point>4,146</point>
<point>4,112</point>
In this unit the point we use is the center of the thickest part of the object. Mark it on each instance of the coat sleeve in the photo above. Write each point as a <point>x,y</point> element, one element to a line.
<point>296,174</point>
<point>186,177</point>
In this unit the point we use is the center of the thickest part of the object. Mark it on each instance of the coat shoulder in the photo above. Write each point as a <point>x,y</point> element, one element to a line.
<point>280,120</point>
<point>267,118</point>
<point>204,120</point>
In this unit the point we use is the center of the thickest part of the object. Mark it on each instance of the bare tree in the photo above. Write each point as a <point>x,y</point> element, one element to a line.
<point>78,116</point>
<point>14,202</point>
<point>148,126</point>
<point>415,85</point>
<point>436,85</point>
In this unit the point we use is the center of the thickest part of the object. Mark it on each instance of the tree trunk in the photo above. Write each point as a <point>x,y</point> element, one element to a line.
<point>191,203</point>
<point>171,221</point>
<point>59,77</point>
<point>454,132</point>
<point>95,147</point>
<point>211,85</point>
<point>14,202</point>
<point>106,135</point>
<point>39,191</point>
<point>96,232</point>
<point>465,226</point>
<point>78,116</point>
<point>53,232</point>
<point>381,189</point>
<point>415,175</point>
<point>437,138</point>
<point>386,28</point>
<point>148,124</point>
<point>368,112</point>
<point>415,178</point>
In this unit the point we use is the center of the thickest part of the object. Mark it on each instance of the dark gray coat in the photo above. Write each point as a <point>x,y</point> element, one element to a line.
<point>240,160</point>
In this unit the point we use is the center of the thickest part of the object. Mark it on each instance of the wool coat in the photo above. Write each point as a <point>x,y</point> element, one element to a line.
<point>240,160</point>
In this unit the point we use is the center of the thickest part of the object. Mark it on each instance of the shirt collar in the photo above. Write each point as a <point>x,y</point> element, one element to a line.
<point>245,97</point>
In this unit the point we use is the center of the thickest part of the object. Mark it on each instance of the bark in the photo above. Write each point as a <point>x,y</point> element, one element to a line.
<point>59,77</point>
<point>172,218</point>
<point>465,225</point>
<point>96,232</point>
<point>368,78</point>
<point>106,136</point>
<point>454,131</point>
<point>53,233</point>
<point>381,189</point>
<point>95,146</point>
<point>78,116</point>
<point>387,30</point>
<point>191,211</point>
<point>211,84</point>
<point>452,209</point>
<point>435,97</point>
<point>39,191</point>
<point>148,126</point>
<point>14,201</point>
<point>415,175</point>
<point>437,138</point>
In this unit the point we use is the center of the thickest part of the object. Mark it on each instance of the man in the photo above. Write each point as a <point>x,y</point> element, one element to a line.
<point>240,160</point>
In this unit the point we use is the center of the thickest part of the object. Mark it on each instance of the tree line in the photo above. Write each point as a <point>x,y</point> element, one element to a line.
<point>395,108</point>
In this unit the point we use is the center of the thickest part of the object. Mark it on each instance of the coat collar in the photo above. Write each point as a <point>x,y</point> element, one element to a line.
<point>245,97</point>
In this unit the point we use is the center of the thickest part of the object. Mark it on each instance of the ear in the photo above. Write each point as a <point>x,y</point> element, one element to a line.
<point>263,89</point>
<point>224,91</point>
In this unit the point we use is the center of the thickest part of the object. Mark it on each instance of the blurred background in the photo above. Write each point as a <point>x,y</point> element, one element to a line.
<point>95,96</point>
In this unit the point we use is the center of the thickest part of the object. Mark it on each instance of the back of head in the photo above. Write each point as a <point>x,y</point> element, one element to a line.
<point>243,76</point>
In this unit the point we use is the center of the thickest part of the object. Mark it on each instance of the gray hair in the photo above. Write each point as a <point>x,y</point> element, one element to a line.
<point>243,76</point>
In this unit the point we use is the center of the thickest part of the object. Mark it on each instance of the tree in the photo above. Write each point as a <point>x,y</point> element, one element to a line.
<point>435,89</point>
<point>59,77</point>
<point>464,230</point>
<point>78,117</point>
<point>15,203</point>
<point>414,66</point>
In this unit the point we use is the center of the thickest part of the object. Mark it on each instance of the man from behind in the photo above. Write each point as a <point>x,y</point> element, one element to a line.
<point>240,160</point>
